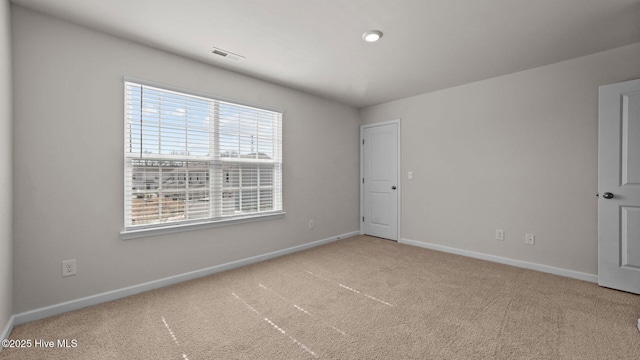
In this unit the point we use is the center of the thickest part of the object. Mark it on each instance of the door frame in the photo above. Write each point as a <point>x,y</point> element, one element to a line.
<point>398,123</point>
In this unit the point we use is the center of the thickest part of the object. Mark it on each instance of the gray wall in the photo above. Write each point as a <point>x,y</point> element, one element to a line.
<point>69,165</point>
<point>517,152</point>
<point>6,210</point>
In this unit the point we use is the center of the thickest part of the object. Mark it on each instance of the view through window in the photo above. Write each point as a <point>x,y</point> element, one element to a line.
<point>190,158</point>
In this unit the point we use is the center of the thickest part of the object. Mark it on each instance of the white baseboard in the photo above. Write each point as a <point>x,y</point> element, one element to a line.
<point>7,329</point>
<point>502,260</point>
<point>57,309</point>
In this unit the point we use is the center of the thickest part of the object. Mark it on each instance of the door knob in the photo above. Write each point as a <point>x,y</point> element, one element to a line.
<point>607,195</point>
<point>393,187</point>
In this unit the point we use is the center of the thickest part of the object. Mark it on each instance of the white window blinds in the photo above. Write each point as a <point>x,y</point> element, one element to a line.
<point>193,159</point>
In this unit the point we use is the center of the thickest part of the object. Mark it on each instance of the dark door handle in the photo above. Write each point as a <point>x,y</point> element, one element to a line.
<point>607,195</point>
<point>393,187</point>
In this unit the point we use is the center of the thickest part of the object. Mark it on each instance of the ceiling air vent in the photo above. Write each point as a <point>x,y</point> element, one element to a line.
<point>226,54</point>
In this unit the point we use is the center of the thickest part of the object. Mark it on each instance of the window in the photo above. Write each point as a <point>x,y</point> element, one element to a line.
<point>191,159</point>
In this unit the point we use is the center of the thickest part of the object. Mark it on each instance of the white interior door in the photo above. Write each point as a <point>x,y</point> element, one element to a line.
<point>380,179</point>
<point>619,186</point>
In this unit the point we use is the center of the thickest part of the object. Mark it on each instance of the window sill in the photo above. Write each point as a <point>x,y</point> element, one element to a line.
<point>171,229</point>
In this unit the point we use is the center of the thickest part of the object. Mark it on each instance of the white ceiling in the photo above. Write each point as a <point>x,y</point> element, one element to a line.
<point>316,45</point>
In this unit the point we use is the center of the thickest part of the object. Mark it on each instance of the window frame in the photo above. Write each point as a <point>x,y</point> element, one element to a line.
<point>130,232</point>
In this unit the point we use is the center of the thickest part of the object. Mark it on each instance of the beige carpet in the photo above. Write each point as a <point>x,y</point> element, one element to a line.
<point>359,298</point>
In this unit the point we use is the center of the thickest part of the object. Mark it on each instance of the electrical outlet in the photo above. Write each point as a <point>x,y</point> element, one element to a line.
<point>311,224</point>
<point>410,175</point>
<point>530,239</point>
<point>68,267</point>
<point>499,234</point>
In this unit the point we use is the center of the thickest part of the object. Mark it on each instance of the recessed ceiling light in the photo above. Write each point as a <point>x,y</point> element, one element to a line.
<point>372,35</point>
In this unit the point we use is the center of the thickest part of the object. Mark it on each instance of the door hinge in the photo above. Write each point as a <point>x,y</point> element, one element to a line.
<point>363,180</point>
<point>362,141</point>
<point>363,219</point>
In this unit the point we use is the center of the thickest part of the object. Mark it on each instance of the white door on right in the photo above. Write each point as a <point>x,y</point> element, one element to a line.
<point>380,179</point>
<point>619,186</point>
